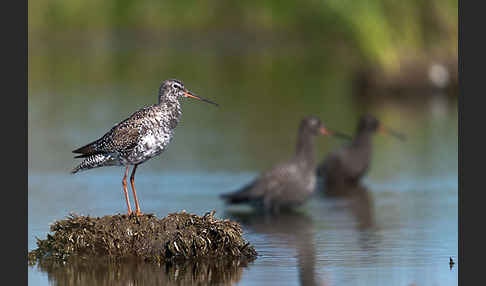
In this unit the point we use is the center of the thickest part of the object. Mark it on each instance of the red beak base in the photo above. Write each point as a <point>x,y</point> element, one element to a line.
<point>324,131</point>
<point>188,94</point>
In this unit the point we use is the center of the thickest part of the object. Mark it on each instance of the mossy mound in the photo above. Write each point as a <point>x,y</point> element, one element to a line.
<point>178,237</point>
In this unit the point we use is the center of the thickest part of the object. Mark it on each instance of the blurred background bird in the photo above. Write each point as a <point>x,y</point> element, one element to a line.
<point>349,163</point>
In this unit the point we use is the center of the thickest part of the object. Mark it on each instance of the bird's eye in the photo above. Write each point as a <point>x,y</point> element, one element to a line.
<point>176,86</point>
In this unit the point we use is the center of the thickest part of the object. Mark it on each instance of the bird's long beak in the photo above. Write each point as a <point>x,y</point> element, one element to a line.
<point>191,95</point>
<point>325,131</point>
<point>396,134</point>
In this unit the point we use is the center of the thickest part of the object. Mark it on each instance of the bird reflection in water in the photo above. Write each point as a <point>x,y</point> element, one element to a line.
<point>357,201</point>
<point>294,229</point>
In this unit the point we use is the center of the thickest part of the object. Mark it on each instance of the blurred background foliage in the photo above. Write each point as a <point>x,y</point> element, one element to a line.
<point>372,33</point>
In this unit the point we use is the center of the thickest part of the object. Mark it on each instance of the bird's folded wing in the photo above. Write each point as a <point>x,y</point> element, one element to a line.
<point>123,139</point>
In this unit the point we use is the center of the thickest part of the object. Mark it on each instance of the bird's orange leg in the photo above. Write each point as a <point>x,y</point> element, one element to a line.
<point>132,180</point>
<point>124,182</point>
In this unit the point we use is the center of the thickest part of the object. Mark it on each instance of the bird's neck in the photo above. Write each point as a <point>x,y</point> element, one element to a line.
<point>173,107</point>
<point>170,102</point>
<point>362,141</point>
<point>305,152</point>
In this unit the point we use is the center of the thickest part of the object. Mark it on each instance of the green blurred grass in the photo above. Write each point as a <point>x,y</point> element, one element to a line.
<point>378,32</point>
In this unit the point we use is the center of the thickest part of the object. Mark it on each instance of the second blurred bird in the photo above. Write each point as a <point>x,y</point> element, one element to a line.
<point>348,164</point>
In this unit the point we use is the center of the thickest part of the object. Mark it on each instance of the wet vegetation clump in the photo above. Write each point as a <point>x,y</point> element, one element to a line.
<point>178,237</point>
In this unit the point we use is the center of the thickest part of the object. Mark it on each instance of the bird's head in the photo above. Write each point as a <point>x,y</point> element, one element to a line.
<point>369,123</point>
<point>314,126</point>
<point>173,89</point>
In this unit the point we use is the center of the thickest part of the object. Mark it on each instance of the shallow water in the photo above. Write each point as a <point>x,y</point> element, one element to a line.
<point>400,230</point>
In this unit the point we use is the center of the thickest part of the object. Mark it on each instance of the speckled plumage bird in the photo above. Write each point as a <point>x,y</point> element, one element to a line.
<point>348,164</point>
<point>290,183</point>
<point>144,135</point>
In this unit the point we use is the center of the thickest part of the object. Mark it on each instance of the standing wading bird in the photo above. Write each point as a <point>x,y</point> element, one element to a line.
<point>288,184</point>
<point>145,134</point>
<point>348,164</point>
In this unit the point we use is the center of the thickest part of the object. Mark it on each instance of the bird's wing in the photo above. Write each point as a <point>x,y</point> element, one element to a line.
<point>275,180</point>
<point>122,137</point>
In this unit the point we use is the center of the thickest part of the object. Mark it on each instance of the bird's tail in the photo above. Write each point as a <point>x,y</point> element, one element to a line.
<point>240,196</point>
<point>95,161</point>
<point>235,198</point>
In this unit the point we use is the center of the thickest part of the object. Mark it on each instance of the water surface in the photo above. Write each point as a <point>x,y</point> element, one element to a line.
<point>400,230</point>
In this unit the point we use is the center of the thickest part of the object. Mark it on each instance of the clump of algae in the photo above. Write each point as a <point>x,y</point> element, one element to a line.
<point>178,237</point>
